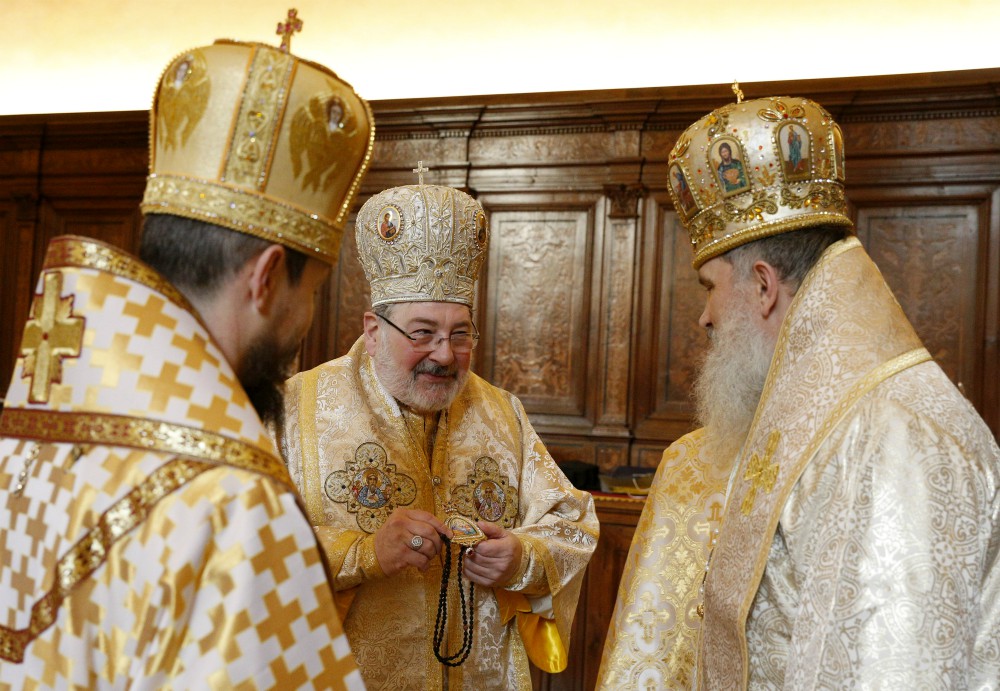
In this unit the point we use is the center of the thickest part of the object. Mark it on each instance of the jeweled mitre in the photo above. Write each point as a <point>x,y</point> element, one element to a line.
<point>422,243</point>
<point>757,168</point>
<point>250,137</point>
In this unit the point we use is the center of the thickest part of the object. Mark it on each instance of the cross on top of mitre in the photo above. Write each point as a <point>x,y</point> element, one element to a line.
<point>285,29</point>
<point>420,170</point>
<point>737,91</point>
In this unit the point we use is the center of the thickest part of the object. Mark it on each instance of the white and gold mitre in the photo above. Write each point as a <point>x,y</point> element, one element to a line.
<point>422,243</point>
<point>757,168</point>
<point>250,137</point>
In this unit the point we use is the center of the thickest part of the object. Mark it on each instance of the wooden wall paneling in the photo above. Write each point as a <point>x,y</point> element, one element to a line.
<point>669,340</point>
<point>616,309</point>
<point>910,244</point>
<point>114,221</point>
<point>340,307</point>
<point>537,340</point>
<point>20,166</point>
<point>937,251</point>
<point>18,218</point>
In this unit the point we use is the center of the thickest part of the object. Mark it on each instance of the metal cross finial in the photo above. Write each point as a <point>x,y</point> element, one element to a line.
<point>287,28</point>
<point>737,91</point>
<point>420,170</point>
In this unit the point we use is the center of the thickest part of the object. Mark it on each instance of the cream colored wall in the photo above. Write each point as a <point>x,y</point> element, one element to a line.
<point>92,55</point>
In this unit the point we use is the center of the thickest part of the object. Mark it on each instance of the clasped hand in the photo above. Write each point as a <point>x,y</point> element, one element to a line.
<point>491,563</point>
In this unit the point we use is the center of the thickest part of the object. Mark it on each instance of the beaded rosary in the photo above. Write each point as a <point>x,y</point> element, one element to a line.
<point>466,533</point>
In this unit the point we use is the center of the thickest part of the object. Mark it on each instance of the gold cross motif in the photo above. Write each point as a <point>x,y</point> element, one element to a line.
<point>761,473</point>
<point>715,512</point>
<point>648,618</point>
<point>287,28</point>
<point>52,333</point>
<point>420,170</point>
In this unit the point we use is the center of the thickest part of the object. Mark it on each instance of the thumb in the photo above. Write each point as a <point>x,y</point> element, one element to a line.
<point>491,530</point>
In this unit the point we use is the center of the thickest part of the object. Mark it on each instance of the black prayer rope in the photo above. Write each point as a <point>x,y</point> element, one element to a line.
<point>468,611</point>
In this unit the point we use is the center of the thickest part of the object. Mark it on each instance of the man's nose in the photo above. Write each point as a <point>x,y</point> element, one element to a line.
<point>442,353</point>
<point>705,321</point>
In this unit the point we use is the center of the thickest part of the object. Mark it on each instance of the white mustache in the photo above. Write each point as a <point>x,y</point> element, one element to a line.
<point>435,370</point>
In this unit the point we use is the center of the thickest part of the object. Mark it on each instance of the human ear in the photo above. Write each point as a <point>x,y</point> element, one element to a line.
<point>767,284</point>
<point>371,329</point>
<point>267,268</point>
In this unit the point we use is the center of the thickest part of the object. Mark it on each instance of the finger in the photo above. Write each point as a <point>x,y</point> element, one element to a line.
<point>494,548</point>
<point>430,538</point>
<point>479,575</point>
<point>491,530</point>
<point>429,518</point>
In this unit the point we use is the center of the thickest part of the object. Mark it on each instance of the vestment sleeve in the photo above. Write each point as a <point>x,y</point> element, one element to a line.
<point>557,525</point>
<point>653,635</point>
<point>897,585</point>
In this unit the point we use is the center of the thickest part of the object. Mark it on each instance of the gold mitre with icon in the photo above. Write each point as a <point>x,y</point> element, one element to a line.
<point>252,138</point>
<point>422,243</point>
<point>753,169</point>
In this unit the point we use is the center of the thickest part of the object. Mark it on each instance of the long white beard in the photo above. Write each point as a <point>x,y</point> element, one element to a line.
<point>731,381</point>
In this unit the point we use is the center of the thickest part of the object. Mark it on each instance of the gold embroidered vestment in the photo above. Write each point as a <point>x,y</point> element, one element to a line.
<point>356,456</point>
<point>861,540</point>
<point>151,534</point>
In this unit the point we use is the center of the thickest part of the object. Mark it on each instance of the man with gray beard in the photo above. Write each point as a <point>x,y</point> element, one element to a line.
<point>859,543</point>
<point>398,451</point>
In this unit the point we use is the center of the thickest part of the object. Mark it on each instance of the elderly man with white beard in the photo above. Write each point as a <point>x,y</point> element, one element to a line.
<point>836,522</point>
<point>402,454</point>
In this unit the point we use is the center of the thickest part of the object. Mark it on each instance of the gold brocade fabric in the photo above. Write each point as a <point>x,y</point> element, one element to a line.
<point>860,544</point>
<point>355,460</point>
<point>653,635</point>
<point>151,536</point>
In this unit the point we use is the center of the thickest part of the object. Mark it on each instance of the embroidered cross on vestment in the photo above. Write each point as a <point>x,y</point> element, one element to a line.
<point>52,333</point>
<point>761,473</point>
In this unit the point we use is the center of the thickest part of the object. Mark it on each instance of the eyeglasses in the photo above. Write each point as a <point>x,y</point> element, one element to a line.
<point>426,341</point>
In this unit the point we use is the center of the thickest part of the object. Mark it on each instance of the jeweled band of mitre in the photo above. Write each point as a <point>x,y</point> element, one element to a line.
<point>757,168</point>
<point>250,137</point>
<point>422,243</point>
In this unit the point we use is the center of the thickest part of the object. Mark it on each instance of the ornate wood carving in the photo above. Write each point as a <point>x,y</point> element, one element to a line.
<point>624,200</point>
<point>616,324</point>
<point>537,318</point>
<point>929,257</point>
<point>938,134</point>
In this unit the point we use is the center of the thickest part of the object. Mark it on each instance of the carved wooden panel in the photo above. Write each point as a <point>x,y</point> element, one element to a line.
<point>537,321</point>
<point>345,302</point>
<point>930,257</point>
<point>935,134</point>
<point>552,148</point>
<point>616,322</point>
<point>671,341</point>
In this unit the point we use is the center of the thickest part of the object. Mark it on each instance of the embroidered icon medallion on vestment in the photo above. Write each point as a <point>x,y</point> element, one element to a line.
<point>370,486</point>
<point>487,494</point>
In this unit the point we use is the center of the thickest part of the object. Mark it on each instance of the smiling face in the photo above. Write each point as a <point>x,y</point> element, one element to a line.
<point>425,382</point>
